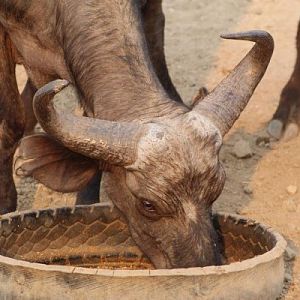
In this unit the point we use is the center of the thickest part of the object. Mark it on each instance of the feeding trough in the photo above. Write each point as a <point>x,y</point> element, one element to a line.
<point>86,252</point>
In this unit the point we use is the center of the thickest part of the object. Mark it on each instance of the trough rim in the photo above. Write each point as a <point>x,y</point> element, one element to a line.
<point>275,253</point>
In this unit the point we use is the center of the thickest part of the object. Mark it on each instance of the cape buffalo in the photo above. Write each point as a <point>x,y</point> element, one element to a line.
<point>159,157</point>
<point>286,119</point>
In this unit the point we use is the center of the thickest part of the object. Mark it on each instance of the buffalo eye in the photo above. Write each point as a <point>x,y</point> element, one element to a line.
<point>149,210</point>
<point>148,206</point>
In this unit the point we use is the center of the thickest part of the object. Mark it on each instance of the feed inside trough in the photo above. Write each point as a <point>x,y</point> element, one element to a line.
<point>97,237</point>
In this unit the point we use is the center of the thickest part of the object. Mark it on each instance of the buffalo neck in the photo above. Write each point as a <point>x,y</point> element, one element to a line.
<point>107,55</point>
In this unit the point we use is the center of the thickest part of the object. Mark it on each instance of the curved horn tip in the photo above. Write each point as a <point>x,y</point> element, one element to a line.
<point>258,36</point>
<point>52,87</point>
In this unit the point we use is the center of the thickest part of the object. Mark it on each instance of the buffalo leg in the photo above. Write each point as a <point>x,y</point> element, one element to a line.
<point>12,122</point>
<point>286,120</point>
<point>27,97</point>
<point>154,26</point>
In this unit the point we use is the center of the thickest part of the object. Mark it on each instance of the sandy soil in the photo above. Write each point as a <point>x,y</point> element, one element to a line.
<point>257,186</point>
<point>273,167</point>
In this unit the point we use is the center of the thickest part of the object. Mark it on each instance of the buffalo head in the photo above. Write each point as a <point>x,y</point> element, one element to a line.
<point>165,174</point>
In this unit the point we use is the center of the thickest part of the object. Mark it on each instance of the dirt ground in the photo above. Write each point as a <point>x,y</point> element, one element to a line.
<point>256,187</point>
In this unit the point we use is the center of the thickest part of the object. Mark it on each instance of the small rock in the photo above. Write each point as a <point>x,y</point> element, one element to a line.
<point>248,190</point>
<point>292,189</point>
<point>288,277</point>
<point>258,12</point>
<point>290,253</point>
<point>242,149</point>
<point>290,205</point>
<point>263,142</point>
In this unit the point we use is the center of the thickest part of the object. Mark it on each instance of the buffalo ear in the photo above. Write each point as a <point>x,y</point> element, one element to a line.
<point>53,165</point>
